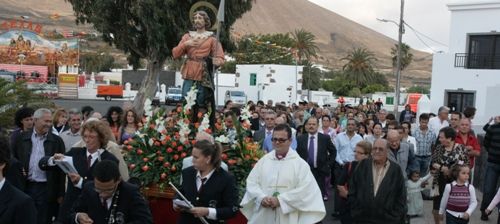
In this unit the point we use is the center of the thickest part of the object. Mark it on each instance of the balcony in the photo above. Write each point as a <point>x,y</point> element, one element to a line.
<point>477,61</point>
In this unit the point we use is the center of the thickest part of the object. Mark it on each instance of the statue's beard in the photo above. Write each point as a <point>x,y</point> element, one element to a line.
<point>199,26</point>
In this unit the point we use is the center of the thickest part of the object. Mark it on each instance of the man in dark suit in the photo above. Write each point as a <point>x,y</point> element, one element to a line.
<point>270,119</point>
<point>45,184</point>
<point>318,150</point>
<point>15,206</point>
<point>76,181</point>
<point>108,199</point>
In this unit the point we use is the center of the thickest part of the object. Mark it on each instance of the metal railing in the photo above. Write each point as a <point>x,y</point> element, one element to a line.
<point>477,61</point>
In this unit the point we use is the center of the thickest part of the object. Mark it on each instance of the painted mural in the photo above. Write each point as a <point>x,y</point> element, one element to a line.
<point>27,47</point>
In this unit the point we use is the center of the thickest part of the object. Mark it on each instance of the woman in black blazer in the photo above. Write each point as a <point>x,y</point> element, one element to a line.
<point>211,190</point>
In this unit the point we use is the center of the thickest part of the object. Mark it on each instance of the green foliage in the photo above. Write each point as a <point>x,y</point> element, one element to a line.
<point>339,85</point>
<point>305,45</point>
<point>311,77</point>
<point>16,95</point>
<point>359,66</point>
<point>265,49</point>
<point>114,82</point>
<point>375,88</point>
<point>228,67</point>
<point>354,92</point>
<point>406,56</point>
<point>419,89</point>
<point>97,62</point>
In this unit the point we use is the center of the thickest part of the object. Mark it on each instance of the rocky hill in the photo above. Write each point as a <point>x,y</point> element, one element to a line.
<point>336,35</point>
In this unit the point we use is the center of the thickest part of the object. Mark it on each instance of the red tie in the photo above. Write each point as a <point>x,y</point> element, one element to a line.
<point>89,161</point>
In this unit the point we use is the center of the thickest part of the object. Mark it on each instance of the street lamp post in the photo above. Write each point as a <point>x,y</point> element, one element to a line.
<point>398,56</point>
<point>398,60</point>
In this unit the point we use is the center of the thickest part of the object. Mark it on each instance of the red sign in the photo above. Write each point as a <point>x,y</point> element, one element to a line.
<point>21,24</point>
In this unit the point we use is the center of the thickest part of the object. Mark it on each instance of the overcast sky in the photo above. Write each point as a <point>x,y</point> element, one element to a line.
<point>429,17</point>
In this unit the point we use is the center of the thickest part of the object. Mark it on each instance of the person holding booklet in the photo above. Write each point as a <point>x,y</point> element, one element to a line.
<point>82,160</point>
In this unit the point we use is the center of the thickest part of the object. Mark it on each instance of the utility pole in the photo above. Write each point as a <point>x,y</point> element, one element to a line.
<point>398,60</point>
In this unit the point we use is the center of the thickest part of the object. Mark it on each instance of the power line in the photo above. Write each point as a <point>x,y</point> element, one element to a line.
<point>416,31</point>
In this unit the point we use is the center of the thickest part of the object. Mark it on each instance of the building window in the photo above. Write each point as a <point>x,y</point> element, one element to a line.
<point>253,79</point>
<point>484,52</point>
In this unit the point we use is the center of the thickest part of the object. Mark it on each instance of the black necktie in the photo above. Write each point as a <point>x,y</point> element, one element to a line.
<point>89,161</point>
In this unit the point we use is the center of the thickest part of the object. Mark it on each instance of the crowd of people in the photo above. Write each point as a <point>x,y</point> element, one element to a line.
<point>376,169</point>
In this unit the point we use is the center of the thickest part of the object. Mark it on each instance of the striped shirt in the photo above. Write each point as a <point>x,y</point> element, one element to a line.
<point>424,142</point>
<point>37,153</point>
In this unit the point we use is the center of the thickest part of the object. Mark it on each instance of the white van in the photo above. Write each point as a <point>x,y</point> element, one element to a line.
<point>237,97</point>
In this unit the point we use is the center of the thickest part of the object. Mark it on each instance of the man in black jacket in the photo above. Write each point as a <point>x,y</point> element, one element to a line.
<point>377,192</point>
<point>45,184</point>
<point>317,149</point>
<point>108,199</point>
<point>15,206</point>
<point>492,145</point>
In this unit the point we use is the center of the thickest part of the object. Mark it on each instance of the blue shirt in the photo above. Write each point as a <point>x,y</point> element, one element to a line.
<point>267,145</point>
<point>345,147</point>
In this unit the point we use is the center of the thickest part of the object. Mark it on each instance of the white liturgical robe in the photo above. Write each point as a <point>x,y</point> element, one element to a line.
<point>291,180</point>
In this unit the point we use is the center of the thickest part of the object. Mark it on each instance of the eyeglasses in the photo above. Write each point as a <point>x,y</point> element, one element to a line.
<point>279,140</point>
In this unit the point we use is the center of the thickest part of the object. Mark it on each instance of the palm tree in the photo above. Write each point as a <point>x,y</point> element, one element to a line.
<point>359,66</point>
<point>406,56</point>
<point>305,45</point>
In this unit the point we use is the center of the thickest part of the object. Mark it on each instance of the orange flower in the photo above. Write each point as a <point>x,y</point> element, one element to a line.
<point>188,111</point>
<point>208,130</point>
<point>131,166</point>
<point>179,148</point>
<point>176,157</point>
<point>179,109</point>
<point>174,144</point>
<point>139,152</point>
<point>218,126</point>
<point>125,142</point>
<point>163,176</point>
<point>223,156</point>
<point>145,168</point>
<point>173,169</point>
<point>246,125</point>
<point>200,114</point>
<point>161,158</point>
<point>167,138</point>
<point>193,142</point>
<point>163,132</point>
<point>247,156</point>
<point>166,164</point>
<point>196,125</point>
<point>157,143</point>
<point>145,159</point>
<point>129,147</point>
<point>231,162</point>
<point>169,150</point>
<point>164,142</point>
<point>152,126</point>
<point>183,155</point>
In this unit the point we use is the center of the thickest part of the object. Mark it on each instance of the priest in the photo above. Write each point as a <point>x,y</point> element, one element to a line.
<point>281,187</point>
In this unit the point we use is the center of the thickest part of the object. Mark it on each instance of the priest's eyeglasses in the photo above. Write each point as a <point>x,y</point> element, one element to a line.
<point>279,140</point>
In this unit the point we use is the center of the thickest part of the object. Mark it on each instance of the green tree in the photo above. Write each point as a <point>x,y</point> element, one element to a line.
<point>97,62</point>
<point>374,88</point>
<point>311,76</point>
<point>339,86</point>
<point>304,44</point>
<point>228,67</point>
<point>406,56</point>
<point>149,29</point>
<point>265,49</point>
<point>419,89</point>
<point>16,95</point>
<point>359,66</point>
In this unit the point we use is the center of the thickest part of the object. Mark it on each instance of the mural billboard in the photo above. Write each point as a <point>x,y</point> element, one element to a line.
<point>29,48</point>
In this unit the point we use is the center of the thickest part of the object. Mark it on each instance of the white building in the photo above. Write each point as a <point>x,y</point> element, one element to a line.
<point>469,74</point>
<point>270,82</point>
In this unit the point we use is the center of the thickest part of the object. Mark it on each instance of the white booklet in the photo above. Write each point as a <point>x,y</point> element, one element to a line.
<point>66,164</point>
<point>181,204</point>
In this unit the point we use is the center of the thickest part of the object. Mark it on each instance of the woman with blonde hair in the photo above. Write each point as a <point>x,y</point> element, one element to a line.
<point>59,120</point>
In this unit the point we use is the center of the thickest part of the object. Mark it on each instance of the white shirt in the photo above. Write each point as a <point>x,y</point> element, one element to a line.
<point>435,125</point>
<point>2,182</point>
<point>315,147</point>
<point>212,212</point>
<point>96,155</point>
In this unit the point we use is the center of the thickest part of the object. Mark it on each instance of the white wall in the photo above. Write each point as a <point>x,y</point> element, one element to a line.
<point>285,76</point>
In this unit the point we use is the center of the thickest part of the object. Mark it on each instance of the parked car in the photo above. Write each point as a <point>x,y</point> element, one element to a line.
<point>174,95</point>
<point>238,97</point>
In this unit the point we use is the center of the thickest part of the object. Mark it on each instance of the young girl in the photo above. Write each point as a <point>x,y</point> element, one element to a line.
<point>414,189</point>
<point>459,197</point>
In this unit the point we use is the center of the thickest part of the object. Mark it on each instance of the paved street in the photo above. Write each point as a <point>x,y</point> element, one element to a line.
<point>427,218</point>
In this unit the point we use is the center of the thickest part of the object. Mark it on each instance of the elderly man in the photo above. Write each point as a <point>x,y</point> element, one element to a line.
<point>401,153</point>
<point>72,135</point>
<point>44,184</point>
<point>267,145</point>
<point>469,140</point>
<point>270,122</point>
<point>377,192</point>
<point>289,193</point>
<point>440,121</point>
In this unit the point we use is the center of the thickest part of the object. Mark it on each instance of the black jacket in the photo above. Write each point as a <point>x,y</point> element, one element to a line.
<point>131,206</point>
<point>55,177</point>
<point>389,206</point>
<point>15,206</point>
<point>80,162</point>
<point>326,151</point>
<point>492,143</point>
<point>220,191</point>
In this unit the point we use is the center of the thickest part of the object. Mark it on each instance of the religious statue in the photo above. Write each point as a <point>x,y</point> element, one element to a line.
<point>203,51</point>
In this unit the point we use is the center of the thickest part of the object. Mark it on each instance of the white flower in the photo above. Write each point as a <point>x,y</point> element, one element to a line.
<point>183,130</point>
<point>160,125</point>
<point>151,142</point>
<point>148,110</point>
<point>222,139</point>
<point>205,123</point>
<point>245,113</point>
<point>190,98</point>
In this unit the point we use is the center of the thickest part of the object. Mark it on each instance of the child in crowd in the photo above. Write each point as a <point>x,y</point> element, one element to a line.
<point>414,189</point>
<point>459,197</point>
